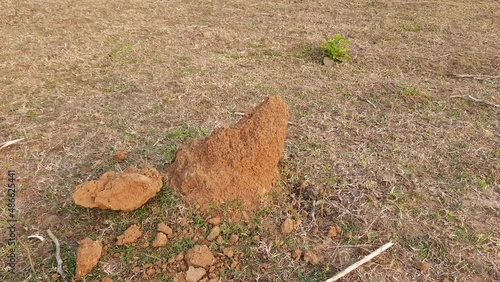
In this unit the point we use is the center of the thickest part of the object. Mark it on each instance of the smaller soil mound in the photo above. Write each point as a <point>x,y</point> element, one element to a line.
<point>240,162</point>
<point>87,256</point>
<point>129,236</point>
<point>119,191</point>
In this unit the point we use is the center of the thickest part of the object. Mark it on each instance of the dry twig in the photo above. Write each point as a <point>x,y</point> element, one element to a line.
<point>360,262</point>
<point>476,100</point>
<point>58,255</point>
<point>477,76</point>
<point>8,143</point>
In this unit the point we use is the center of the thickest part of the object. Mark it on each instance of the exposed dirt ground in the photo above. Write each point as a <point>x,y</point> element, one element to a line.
<point>386,146</point>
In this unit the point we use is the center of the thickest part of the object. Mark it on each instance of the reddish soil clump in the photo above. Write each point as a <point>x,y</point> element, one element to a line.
<point>88,255</point>
<point>123,191</point>
<point>233,163</point>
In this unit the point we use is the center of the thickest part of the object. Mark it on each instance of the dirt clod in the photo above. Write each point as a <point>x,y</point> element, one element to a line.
<point>213,233</point>
<point>88,254</point>
<point>228,252</point>
<point>195,274</point>
<point>312,258</point>
<point>423,266</point>
<point>129,236</point>
<point>215,220</point>
<point>333,231</point>
<point>120,156</point>
<point>160,240</point>
<point>125,191</point>
<point>233,239</point>
<point>287,226</point>
<point>233,163</point>
<point>165,229</point>
<point>296,254</point>
<point>107,279</point>
<point>199,256</point>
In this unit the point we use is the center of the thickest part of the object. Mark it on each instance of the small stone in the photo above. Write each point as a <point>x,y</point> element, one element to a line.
<point>312,258</point>
<point>228,252</point>
<point>162,227</point>
<point>129,236</point>
<point>151,271</point>
<point>120,156</point>
<point>234,264</point>
<point>179,257</point>
<point>245,216</point>
<point>183,222</point>
<point>199,256</point>
<point>296,254</point>
<point>423,266</point>
<point>160,240</point>
<point>287,226</point>
<point>179,277</point>
<point>136,270</point>
<point>87,256</point>
<point>233,239</point>
<point>328,62</point>
<point>215,220</point>
<point>220,240</point>
<point>107,279</point>
<point>194,274</point>
<point>70,234</point>
<point>145,245</point>
<point>213,233</point>
<point>117,255</point>
<point>332,232</point>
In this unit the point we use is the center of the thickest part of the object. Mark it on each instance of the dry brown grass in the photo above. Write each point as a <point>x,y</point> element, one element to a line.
<point>80,79</point>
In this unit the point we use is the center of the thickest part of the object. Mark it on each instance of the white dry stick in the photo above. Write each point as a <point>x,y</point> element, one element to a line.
<point>58,255</point>
<point>8,143</point>
<point>359,263</point>
<point>476,100</point>
<point>477,76</point>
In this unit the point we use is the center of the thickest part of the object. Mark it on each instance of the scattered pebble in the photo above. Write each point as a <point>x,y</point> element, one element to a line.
<point>165,229</point>
<point>233,239</point>
<point>312,258</point>
<point>215,220</point>
<point>423,266</point>
<point>287,226</point>
<point>160,240</point>
<point>129,236</point>
<point>213,233</point>
<point>120,156</point>
<point>195,274</point>
<point>228,252</point>
<point>296,254</point>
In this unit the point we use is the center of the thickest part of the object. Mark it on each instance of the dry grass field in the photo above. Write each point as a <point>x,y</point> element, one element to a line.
<point>388,145</point>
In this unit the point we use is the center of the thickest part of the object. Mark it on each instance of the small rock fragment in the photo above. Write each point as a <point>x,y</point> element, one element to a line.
<point>333,231</point>
<point>233,239</point>
<point>215,220</point>
<point>120,156</point>
<point>220,240</point>
<point>165,229</point>
<point>423,266</point>
<point>129,236</point>
<point>107,279</point>
<point>312,258</point>
<point>213,233</point>
<point>125,191</point>
<point>199,256</point>
<point>328,62</point>
<point>296,254</point>
<point>287,226</point>
<point>195,274</point>
<point>160,240</point>
<point>228,252</point>
<point>88,254</point>
<point>179,277</point>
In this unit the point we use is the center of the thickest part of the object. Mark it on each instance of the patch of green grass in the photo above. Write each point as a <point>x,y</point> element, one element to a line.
<point>411,26</point>
<point>336,48</point>
<point>404,90</point>
<point>177,137</point>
